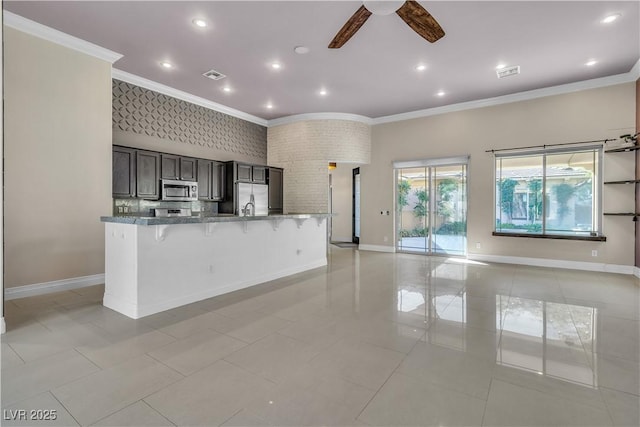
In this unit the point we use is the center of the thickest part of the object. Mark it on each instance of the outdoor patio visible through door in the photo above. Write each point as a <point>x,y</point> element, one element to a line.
<point>431,206</point>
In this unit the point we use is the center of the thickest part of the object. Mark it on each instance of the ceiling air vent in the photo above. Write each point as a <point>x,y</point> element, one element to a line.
<point>508,71</point>
<point>214,75</point>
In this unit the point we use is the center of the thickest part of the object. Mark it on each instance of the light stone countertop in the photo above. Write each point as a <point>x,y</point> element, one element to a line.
<point>198,219</point>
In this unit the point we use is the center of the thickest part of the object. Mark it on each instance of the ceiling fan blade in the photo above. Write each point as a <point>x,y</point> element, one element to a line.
<point>420,21</point>
<point>350,27</point>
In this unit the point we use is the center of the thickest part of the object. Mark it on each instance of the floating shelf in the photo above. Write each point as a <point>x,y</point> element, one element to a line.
<point>631,214</point>
<point>623,149</point>
<point>629,181</point>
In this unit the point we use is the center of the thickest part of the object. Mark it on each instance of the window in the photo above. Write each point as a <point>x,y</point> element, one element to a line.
<point>552,193</point>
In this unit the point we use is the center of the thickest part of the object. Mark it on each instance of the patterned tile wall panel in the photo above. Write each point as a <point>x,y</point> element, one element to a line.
<point>150,113</point>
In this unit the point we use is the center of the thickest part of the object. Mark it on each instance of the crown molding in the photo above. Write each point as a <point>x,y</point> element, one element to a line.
<point>320,116</point>
<point>631,76</point>
<point>184,96</point>
<point>33,28</point>
<point>635,71</point>
<point>58,37</point>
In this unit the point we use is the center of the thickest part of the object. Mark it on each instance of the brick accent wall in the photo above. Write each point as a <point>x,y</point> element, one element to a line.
<point>304,150</point>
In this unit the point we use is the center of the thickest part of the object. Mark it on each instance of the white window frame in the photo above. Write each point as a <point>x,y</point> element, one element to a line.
<point>598,149</point>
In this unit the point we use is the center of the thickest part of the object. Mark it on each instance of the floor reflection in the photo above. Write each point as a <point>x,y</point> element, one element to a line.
<point>543,337</point>
<point>546,338</point>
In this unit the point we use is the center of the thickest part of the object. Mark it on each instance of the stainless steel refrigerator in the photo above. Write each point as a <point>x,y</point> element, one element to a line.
<point>258,194</point>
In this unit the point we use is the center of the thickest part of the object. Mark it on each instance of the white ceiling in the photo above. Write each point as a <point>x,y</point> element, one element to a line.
<point>374,73</point>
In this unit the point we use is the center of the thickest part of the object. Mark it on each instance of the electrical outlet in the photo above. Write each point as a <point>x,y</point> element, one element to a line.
<point>594,252</point>
<point>381,212</point>
<point>126,209</point>
<point>387,213</point>
<point>478,245</point>
<point>120,209</point>
<point>211,268</point>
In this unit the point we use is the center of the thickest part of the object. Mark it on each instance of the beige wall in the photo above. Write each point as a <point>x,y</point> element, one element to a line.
<point>57,160</point>
<point>2,322</point>
<point>304,150</point>
<point>342,189</point>
<point>637,130</point>
<point>587,115</point>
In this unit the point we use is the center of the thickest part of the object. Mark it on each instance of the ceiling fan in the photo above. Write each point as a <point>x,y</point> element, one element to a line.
<point>410,11</point>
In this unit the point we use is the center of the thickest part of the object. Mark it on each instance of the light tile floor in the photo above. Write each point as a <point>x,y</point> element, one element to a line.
<point>372,339</point>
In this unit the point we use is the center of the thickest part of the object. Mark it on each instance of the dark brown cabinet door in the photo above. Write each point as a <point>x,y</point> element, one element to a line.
<point>170,166</point>
<point>123,172</point>
<point>148,175</point>
<point>275,190</point>
<point>218,175</point>
<point>259,174</point>
<point>204,179</point>
<point>243,172</point>
<point>187,169</point>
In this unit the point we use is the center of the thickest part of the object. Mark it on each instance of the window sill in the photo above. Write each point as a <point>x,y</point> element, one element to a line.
<point>552,236</point>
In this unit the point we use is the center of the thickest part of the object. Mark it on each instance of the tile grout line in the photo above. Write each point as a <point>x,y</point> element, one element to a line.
<point>155,410</point>
<point>387,380</point>
<point>236,413</point>
<point>65,408</point>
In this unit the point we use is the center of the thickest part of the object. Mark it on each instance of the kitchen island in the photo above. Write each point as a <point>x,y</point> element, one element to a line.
<point>154,264</point>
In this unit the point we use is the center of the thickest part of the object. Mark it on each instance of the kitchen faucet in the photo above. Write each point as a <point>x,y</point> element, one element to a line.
<point>246,208</point>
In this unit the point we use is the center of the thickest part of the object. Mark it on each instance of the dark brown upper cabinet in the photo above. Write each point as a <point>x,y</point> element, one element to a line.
<point>211,176</point>
<point>259,174</point>
<point>170,166</point>
<point>250,173</point>
<point>124,172</point>
<point>148,175</point>
<point>177,167</point>
<point>275,181</point>
<point>243,172</point>
<point>187,168</point>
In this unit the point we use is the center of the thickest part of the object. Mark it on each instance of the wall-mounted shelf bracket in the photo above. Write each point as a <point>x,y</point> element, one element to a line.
<point>161,232</point>
<point>300,221</point>
<point>209,228</point>
<point>275,223</point>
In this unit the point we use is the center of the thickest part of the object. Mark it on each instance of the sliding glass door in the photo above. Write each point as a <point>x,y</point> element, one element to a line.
<point>431,208</point>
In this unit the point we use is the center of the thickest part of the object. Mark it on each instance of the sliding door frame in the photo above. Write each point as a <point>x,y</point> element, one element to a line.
<point>429,165</point>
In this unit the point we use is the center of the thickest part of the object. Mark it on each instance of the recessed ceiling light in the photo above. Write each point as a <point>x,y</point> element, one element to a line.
<point>421,67</point>
<point>201,23</point>
<point>500,66</point>
<point>301,50</point>
<point>441,93</point>
<point>591,63</point>
<point>276,65</point>
<point>323,92</point>
<point>166,64</point>
<point>269,106</point>
<point>609,19</point>
<point>226,89</point>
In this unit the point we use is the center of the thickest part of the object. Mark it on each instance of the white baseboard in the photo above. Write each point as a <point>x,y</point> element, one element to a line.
<point>53,286</point>
<point>3,326</point>
<point>554,263</point>
<point>376,248</point>
<point>636,272</point>
<point>136,311</point>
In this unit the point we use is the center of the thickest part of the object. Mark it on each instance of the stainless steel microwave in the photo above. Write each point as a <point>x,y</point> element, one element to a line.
<point>179,191</point>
